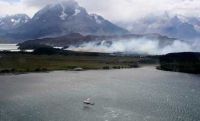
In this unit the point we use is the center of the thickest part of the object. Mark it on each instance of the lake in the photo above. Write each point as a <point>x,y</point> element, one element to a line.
<point>9,47</point>
<point>12,48</point>
<point>143,94</point>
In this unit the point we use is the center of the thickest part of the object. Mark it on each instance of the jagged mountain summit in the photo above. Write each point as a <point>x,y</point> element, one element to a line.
<point>9,23</point>
<point>13,21</point>
<point>60,19</point>
<point>175,26</point>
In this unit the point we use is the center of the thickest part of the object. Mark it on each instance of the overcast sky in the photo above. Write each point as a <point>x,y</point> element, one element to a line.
<point>114,10</point>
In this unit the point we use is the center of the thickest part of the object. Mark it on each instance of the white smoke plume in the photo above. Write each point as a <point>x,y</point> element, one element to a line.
<point>138,46</point>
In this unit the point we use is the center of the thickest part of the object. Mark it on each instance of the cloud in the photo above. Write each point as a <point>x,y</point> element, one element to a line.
<point>114,10</point>
<point>10,1</point>
<point>13,7</point>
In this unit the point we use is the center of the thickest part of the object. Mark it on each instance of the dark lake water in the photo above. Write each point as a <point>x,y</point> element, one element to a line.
<point>143,94</point>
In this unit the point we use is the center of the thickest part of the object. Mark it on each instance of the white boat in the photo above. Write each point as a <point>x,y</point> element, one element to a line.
<point>88,102</point>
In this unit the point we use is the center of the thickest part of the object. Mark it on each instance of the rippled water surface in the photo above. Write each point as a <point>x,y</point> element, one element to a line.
<point>144,94</point>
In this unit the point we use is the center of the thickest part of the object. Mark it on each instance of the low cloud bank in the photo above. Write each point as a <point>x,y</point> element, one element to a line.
<point>138,46</point>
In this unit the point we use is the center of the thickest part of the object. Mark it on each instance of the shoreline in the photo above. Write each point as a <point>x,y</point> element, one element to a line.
<point>82,70</point>
<point>17,63</point>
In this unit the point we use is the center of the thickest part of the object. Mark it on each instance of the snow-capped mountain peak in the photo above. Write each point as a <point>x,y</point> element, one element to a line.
<point>60,11</point>
<point>176,26</point>
<point>13,21</point>
<point>63,18</point>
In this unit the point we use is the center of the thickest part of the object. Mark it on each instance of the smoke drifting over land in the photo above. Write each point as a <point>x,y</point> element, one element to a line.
<point>138,46</point>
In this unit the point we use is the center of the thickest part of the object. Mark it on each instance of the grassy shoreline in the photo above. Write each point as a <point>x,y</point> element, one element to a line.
<point>30,62</point>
